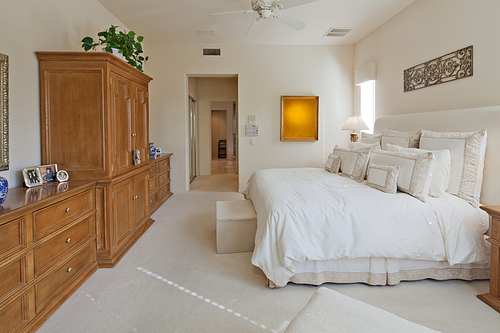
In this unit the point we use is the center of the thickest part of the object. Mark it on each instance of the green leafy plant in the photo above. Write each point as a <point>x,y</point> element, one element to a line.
<point>124,41</point>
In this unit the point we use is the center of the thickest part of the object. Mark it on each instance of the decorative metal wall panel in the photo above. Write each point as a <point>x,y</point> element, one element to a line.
<point>4,112</point>
<point>452,66</point>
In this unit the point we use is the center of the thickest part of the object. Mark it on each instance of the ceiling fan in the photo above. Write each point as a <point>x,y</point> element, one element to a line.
<point>269,8</point>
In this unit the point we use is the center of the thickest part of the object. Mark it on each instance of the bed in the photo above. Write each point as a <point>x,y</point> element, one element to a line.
<point>314,226</point>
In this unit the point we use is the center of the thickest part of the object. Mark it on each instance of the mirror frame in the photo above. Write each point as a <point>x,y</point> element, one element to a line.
<point>4,112</point>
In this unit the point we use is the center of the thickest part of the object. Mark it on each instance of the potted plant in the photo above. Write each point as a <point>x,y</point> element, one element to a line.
<point>123,41</point>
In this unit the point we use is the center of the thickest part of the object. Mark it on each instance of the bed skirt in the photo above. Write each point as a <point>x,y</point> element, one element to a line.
<point>382,271</point>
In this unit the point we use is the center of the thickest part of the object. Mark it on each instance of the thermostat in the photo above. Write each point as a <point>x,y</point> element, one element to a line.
<point>252,130</point>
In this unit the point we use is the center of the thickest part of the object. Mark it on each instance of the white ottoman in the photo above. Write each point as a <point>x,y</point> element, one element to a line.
<point>236,226</point>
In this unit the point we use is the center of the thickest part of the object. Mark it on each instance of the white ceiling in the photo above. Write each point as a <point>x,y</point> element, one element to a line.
<point>176,21</point>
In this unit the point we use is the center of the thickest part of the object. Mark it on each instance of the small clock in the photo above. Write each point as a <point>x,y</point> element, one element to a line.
<point>62,176</point>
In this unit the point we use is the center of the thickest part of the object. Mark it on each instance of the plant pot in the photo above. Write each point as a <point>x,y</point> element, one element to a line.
<point>116,53</point>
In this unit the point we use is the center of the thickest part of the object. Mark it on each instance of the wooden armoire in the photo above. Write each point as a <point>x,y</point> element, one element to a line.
<point>94,114</point>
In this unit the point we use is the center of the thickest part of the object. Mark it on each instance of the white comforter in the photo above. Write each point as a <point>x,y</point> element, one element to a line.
<point>311,214</point>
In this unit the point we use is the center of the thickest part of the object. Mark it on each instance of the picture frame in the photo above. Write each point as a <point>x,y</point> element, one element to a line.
<point>32,177</point>
<point>49,172</point>
<point>299,118</point>
<point>62,176</point>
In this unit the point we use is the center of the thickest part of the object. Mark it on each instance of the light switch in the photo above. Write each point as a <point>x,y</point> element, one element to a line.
<point>252,141</point>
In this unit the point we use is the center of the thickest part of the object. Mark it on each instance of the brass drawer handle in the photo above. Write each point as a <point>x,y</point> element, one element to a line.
<point>134,197</point>
<point>69,269</point>
<point>68,240</point>
<point>67,210</point>
<point>134,134</point>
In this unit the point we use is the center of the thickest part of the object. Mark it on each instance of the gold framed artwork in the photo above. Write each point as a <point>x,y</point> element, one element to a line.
<point>299,118</point>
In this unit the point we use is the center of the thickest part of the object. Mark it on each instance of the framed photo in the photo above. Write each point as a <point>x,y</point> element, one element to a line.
<point>299,118</point>
<point>32,176</point>
<point>49,172</point>
<point>62,176</point>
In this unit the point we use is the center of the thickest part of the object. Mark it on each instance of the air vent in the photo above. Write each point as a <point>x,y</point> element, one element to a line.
<point>211,52</point>
<point>206,32</point>
<point>338,32</point>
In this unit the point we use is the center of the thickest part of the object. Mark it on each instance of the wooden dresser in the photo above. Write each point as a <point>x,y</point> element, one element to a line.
<point>493,297</point>
<point>159,181</point>
<point>95,114</point>
<point>48,246</point>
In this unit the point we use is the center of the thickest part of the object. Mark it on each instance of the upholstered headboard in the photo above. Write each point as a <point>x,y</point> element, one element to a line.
<point>462,120</point>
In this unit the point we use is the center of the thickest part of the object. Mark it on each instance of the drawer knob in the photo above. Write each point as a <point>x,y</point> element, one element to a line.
<point>67,210</point>
<point>69,269</point>
<point>133,134</point>
<point>68,240</point>
<point>150,185</point>
<point>134,197</point>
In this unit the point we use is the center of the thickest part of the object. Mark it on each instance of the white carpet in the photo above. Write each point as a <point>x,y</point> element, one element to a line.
<point>173,281</point>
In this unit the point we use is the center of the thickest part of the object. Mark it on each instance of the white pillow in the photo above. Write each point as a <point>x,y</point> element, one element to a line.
<point>467,151</point>
<point>414,170</point>
<point>442,167</point>
<point>358,145</point>
<point>354,162</point>
<point>333,163</point>
<point>370,138</point>
<point>383,178</point>
<point>403,139</point>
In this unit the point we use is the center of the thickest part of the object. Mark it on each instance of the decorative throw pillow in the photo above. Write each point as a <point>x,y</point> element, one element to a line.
<point>414,170</point>
<point>354,162</point>
<point>370,138</point>
<point>442,167</point>
<point>383,177</point>
<point>403,139</point>
<point>467,151</point>
<point>358,145</point>
<point>333,163</point>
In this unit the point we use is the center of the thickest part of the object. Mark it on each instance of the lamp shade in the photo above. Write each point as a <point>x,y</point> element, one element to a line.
<point>355,123</point>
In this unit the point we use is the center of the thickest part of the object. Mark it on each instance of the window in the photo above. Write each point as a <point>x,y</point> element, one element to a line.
<point>367,103</point>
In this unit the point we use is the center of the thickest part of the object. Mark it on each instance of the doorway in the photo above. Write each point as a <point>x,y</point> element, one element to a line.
<point>193,172</point>
<point>223,138</point>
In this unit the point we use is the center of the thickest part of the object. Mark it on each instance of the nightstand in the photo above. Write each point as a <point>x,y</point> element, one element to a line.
<point>493,297</point>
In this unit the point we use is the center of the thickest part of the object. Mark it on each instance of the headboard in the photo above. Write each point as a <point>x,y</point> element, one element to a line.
<point>462,120</point>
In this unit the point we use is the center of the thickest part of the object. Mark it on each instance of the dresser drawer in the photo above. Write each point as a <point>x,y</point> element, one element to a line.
<point>164,178</point>
<point>153,169</point>
<point>13,277</point>
<point>153,199</point>
<point>53,216</point>
<point>62,243</point>
<point>164,165</point>
<point>164,191</point>
<point>11,236</point>
<point>15,315</point>
<point>57,281</point>
<point>153,184</point>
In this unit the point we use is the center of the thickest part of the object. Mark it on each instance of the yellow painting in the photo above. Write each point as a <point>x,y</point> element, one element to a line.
<point>299,118</point>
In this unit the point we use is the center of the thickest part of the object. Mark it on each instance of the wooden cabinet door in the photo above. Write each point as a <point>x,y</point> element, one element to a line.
<point>123,211</point>
<point>121,115</point>
<point>140,122</point>
<point>141,203</point>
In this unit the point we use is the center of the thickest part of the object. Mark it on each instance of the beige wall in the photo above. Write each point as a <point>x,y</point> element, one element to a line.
<point>28,26</point>
<point>426,30</point>
<point>264,74</point>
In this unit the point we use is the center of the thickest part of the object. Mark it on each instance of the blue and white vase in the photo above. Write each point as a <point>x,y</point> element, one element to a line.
<point>152,149</point>
<point>4,188</point>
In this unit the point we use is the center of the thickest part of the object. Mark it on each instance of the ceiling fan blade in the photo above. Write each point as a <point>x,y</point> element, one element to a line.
<point>294,3</point>
<point>291,22</point>
<point>253,25</point>
<point>234,12</point>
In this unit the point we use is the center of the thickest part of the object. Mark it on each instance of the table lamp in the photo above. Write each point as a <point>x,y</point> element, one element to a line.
<point>354,123</point>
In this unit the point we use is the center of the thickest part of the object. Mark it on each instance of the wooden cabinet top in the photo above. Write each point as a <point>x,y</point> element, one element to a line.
<point>92,56</point>
<point>22,198</point>
<point>159,157</point>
